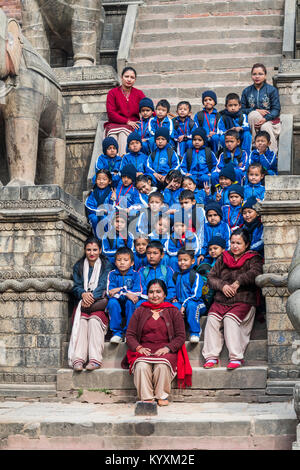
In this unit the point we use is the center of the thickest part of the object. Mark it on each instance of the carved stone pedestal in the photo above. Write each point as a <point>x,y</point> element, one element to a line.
<point>42,234</point>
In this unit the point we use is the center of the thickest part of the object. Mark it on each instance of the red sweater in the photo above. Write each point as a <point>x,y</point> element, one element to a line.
<point>119,111</point>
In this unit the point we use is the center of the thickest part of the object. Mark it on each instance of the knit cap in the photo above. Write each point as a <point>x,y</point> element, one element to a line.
<point>107,142</point>
<point>162,132</point>
<point>217,240</point>
<point>249,203</point>
<point>133,136</point>
<point>228,171</point>
<point>210,94</point>
<point>236,189</point>
<point>130,171</point>
<point>146,103</point>
<point>199,131</point>
<point>214,206</point>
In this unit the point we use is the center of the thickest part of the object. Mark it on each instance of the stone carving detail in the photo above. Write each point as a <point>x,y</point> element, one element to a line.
<point>297,400</point>
<point>33,296</point>
<point>38,285</point>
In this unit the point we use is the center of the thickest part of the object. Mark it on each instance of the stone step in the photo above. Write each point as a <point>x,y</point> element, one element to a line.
<point>205,7</point>
<point>182,426</point>
<point>27,391</point>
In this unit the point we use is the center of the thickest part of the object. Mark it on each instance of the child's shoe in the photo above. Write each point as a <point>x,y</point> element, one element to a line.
<point>211,363</point>
<point>116,339</point>
<point>194,339</point>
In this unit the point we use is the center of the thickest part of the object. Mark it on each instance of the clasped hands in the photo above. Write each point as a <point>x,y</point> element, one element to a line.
<point>159,352</point>
<point>229,290</point>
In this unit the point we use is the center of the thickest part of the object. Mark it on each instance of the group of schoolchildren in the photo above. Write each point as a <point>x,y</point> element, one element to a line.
<point>167,208</point>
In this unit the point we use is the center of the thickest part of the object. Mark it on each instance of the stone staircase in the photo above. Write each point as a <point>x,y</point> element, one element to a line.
<point>183,47</point>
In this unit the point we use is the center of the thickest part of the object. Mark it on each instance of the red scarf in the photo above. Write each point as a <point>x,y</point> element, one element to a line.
<point>184,370</point>
<point>157,307</point>
<point>231,262</point>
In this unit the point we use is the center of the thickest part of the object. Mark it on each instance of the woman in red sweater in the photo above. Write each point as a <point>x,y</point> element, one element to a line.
<point>122,106</point>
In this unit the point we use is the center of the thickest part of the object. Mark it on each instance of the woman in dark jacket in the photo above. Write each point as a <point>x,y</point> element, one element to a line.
<point>154,336</point>
<point>233,279</point>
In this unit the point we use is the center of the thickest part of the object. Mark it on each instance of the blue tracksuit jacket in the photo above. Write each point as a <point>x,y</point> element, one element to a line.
<point>199,169</point>
<point>159,272</point>
<point>220,230</point>
<point>268,160</point>
<point>111,164</point>
<point>232,215</point>
<point>257,190</point>
<point>112,241</point>
<point>138,160</point>
<point>161,162</point>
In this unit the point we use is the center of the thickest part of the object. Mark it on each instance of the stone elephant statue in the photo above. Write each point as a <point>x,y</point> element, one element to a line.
<point>72,26</point>
<point>31,112</point>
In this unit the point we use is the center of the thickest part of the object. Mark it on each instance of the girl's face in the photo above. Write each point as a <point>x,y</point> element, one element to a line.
<point>111,151</point>
<point>174,184</point>
<point>146,112</point>
<point>135,146</point>
<point>235,199</point>
<point>258,76</point>
<point>102,181</point>
<point>126,181</point>
<point>119,224</point>
<point>156,294</point>
<point>92,252</point>
<point>144,187</point>
<point>213,218</point>
<point>215,250</point>
<point>161,112</point>
<point>183,110</point>
<point>198,142</point>
<point>141,246</point>
<point>189,184</point>
<point>208,103</point>
<point>261,144</point>
<point>255,175</point>
<point>237,245</point>
<point>249,215</point>
<point>179,228</point>
<point>128,79</point>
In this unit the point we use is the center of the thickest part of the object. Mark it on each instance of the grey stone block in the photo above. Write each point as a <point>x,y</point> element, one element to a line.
<point>145,408</point>
<point>9,193</point>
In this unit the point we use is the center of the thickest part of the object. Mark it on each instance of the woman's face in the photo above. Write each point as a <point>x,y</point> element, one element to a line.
<point>156,294</point>
<point>258,76</point>
<point>128,79</point>
<point>237,245</point>
<point>92,252</point>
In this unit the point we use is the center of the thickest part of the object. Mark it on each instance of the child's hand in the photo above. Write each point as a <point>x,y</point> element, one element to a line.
<point>182,310</point>
<point>180,138</point>
<point>171,211</point>
<point>219,194</point>
<point>200,259</point>
<point>174,301</point>
<point>134,298</point>
<point>211,134</point>
<point>114,194</point>
<point>206,188</point>
<point>114,291</point>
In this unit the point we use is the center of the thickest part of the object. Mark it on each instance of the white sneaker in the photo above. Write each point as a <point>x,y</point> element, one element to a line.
<point>116,339</point>
<point>194,339</point>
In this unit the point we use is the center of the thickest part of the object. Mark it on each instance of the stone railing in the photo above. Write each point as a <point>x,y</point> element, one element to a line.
<point>289,30</point>
<point>127,35</point>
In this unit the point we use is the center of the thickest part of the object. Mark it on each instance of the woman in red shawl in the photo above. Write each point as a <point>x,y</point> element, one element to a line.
<point>155,338</point>
<point>122,107</point>
<point>233,279</point>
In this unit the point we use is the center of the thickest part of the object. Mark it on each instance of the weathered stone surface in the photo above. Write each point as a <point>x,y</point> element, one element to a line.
<point>145,409</point>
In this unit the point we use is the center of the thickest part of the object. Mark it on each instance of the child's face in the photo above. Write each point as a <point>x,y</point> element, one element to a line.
<point>189,184</point>
<point>174,184</point>
<point>144,187</point>
<point>215,250</point>
<point>162,226</point>
<point>231,143</point>
<point>111,151</point>
<point>249,215</point>
<point>141,245</point>
<point>261,144</point>
<point>198,142</point>
<point>146,112</point>
<point>179,229</point>
<point>102,180</point>
<point>187,204</point>
<point>161,112</point>
<point>255,175</point>
<point>185,262</point>
<point>135,146</point>
<point>123,262</point>
<point>154,256</point>
<point>225,182</point>
<point>155,204</point>
<point>213,218</point>
<point>183,111</point>
<point>126,180</point>
<point>258,76</point>
<point>119,224</point>
<point>233,106</point>
<point>161,142</point>
<point>235,199</point>
<point>208,103</point>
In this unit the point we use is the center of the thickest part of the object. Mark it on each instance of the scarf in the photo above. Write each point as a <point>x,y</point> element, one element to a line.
<point>229,260</point>
<point>250,227</point>
<point>228,118</point>
<point>157,307</point>
<point>101,194</point>
<point>88,285</point>
<point>184,370</point>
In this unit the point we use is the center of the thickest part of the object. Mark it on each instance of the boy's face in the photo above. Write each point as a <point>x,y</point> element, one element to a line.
<point>102,181</point>
<point>146,112</point>
<point>161,142</point>
<point>255,175</point>
<point>141,245</point>
<point>183,111</point>
<point>123,262</point>
<point>185,262</point>
<point>135,146</point>
<point>208,103</point>
<point>198,142</point>
<point>235,199</point>
<point>189,184</point>
<point>155,204</point>
<point>144,187</point>
<point>225,182</point>
<point>111,151</point>
<point>161,112</point>
<point>126,180</point>
<point>154,256</point>
<point>233,106</point>
<point>261,144</point>
<point>231,143</point>
<point>119,224</point>
<point>162,226</point>
<point>187,203</point>
<point>249,215</point>
<point>213,218</point>
<point>179,229</point>
<point>215,250</point>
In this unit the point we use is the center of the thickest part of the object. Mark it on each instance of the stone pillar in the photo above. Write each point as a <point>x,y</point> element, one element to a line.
<point>42,234</point>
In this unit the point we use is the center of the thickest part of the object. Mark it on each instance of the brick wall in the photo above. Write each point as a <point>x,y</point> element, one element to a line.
<point>12,8</point>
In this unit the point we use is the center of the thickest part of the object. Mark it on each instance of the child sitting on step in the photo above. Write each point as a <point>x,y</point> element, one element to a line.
<point>161,121</point>
<point>146,108</point>
<point>254,186</point>
<point>215,226</point>
<point>232,212</point>
<point>109,160</point>
<point>208,119</point>
<point>135,156</point>
<point>262,153</point>
<point>183,127</point>
<point>99,203</point>
<point>232,153</point>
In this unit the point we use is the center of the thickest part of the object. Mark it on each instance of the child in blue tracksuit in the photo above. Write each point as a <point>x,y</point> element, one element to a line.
<point>183,127</point>
<point>188,285</point>
<point>201,195</point>
<point>161,121</point>
<point>109,160</point>
<point>144,186</point>
<point>134,156</point>
<point>232,153</point>
<point>254,186</point>
<point>147,218</point>
<point>181,238</point>
<point>253,225</point>
<point>263,155</point>
<point>99,203</point>
<point>232,212</point>
<point>146,108</point>
<point>208,119</point>
<point>141,242</point>
<point>199,161</point>
<point>227,177</point>
<point>117,237</point>
<point>124,288</point>
<point>126,195</point>
<point>162,159</point>
<point>173,189</point>
<point>232,118</point>
<point>193,213</point>
<point>214,226</point>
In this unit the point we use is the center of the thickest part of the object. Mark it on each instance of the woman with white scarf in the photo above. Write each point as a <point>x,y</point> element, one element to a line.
<point>90,322</point>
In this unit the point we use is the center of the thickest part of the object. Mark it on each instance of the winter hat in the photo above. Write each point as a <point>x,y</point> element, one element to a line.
<point>133,136</point>
<point>130,171</point>
<point>107,142</point>
<point>249,203</point>
<point>200,131</point>
<point>211,94</point>
<point>229,172</point>
<point>146,103</point>
<point>217,240</point>
<point>162,132</point>
<point>214,206</point>
<point>236,189</point>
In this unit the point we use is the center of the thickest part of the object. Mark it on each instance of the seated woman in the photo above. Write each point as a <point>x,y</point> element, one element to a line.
<point>231,315</point>
<point>90,322</point>
<point>122,107</point>
<point>260,101</point>
<point>155,338</point>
